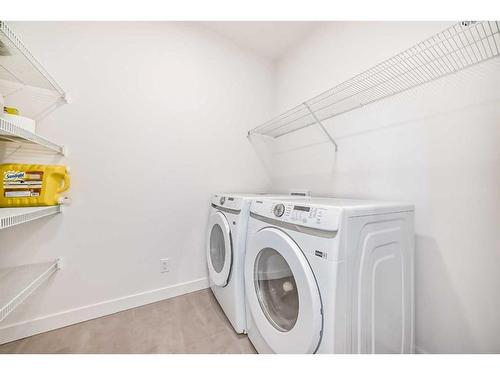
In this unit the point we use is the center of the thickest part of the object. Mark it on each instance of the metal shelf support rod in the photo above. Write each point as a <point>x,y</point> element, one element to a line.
<point>321,125</point>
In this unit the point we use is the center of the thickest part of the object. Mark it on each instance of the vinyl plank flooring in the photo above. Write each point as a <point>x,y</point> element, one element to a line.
<point>192,323</point>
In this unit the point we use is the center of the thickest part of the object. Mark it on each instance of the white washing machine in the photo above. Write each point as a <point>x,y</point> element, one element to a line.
<point>225,247</point>
<point>330,276</point>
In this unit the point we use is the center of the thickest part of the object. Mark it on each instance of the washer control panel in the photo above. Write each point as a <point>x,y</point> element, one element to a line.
<point>299,213</point>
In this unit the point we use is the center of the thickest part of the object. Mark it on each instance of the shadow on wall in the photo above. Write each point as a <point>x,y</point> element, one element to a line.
<point>435,283</point>
<point>11,152</point>
<point>262,146</point>
<point>308,151</point>
<point>45,230</point>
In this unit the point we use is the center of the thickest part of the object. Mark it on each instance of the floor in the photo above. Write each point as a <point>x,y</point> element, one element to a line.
<point>192,323</point>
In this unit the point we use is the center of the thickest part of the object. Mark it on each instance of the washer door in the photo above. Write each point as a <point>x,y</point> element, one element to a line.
<point>282,293</point>
<point>219,249</point>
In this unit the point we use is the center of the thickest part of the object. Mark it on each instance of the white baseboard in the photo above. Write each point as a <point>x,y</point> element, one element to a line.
<point>65,318</point>
<point>420,350</point>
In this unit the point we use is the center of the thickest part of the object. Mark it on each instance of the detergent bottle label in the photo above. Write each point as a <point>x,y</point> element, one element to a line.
<point>19,184</point>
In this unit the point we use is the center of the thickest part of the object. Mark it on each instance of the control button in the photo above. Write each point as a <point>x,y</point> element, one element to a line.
<point>279,210</point>
<point>222,200</point>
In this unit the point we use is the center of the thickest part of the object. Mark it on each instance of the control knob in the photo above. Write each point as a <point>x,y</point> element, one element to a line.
<point>279,210</point>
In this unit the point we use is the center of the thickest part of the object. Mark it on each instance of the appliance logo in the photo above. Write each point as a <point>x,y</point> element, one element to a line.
<point>321,254</point>
<point>10,175</point>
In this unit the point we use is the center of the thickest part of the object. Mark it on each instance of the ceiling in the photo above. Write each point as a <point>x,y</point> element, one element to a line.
<point>271,39</point>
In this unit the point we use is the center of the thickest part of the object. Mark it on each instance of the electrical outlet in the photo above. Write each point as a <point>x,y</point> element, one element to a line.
<point>164,265</point>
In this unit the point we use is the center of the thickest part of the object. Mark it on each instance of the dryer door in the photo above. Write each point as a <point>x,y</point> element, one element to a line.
<point>219,249</point>
<point>282,294</point>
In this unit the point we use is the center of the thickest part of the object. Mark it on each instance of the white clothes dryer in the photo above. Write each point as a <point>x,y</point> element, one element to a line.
<point>330,276</point>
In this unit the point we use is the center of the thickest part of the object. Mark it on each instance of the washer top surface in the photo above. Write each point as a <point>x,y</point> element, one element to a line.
<point>324,214</point>
<point>346,203</point>
<point>359,203</point>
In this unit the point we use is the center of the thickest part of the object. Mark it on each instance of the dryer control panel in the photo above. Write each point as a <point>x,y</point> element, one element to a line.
<point>226,201</point>
<point>298,213</point>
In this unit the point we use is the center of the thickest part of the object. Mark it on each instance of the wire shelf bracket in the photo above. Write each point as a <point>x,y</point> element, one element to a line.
<point>18,283</point>
<point>459,47</point>
<point>318,121</point>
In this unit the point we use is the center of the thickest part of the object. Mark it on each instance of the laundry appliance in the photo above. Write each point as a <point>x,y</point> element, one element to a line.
<point>330,276</point>
<point>225,249</point>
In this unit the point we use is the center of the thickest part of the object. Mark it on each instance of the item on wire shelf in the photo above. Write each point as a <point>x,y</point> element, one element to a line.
<point>11,110</point>
<point>29,185</point>
<point>20,121</point>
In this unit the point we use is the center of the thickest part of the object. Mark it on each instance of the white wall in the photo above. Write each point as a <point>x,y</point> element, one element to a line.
<point>437,146</point>
<point>158,123</point>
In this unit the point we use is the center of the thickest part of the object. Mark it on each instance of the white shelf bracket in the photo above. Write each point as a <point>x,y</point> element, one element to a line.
<point>66,98</point>
<point>318,121</point>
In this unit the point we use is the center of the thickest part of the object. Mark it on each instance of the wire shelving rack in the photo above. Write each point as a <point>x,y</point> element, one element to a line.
<point>18,283</point>
<point>20,66</point>
<point>10,217</point>
<point>460,46</point>
<point>20,69</point>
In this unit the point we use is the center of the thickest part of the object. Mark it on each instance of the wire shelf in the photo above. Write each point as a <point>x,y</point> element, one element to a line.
<point>13,133</point>
<point>20,66</point>
<point>10,217</point>
<point>18,283</point>
<point>460,46</point>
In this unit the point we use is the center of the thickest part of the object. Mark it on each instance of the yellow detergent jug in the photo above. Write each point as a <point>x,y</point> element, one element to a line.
<point>27,185</point>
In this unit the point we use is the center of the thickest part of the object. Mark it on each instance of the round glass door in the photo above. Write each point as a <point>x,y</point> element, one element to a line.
<point>282,295</point>
<point>276,289</point>
<point>219,249</point>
